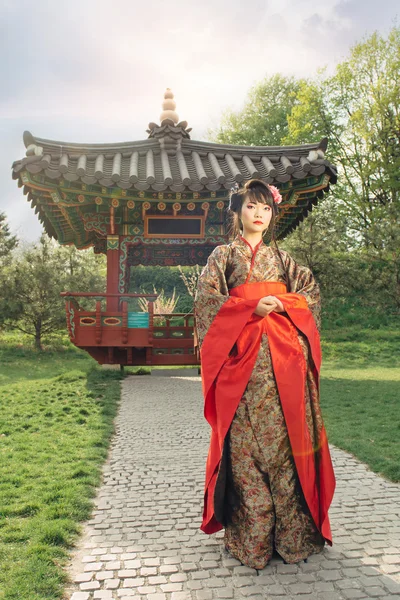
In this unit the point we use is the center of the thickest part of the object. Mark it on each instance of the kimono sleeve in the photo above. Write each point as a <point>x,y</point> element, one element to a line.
<point>212,291</point>
<point>303,282</point>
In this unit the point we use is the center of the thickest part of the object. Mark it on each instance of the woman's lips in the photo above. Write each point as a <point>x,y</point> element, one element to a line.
<point>257,222</point>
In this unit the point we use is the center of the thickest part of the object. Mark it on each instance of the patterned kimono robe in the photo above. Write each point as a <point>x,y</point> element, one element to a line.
<point>269,475</point>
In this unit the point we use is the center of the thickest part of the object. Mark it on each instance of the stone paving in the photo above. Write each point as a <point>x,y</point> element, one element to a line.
<point>143,540</point>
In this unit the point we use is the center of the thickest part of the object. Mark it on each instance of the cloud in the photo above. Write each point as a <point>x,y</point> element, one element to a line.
<point>368,15</point>
<point>96,71</point>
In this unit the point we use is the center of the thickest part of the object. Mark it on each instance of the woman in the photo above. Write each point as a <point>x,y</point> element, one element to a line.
<point>269,475</point>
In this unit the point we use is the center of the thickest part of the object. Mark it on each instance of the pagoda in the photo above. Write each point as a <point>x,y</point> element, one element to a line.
<point>158,201</point>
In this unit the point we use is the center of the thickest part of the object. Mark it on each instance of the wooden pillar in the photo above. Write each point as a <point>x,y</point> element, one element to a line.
<point>112,271</point>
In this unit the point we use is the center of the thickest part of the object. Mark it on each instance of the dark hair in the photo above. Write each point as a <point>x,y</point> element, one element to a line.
<point>258,191</point>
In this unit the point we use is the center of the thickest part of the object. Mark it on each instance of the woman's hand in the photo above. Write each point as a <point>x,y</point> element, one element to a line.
<point>280,307</point>
<point>267,304</point>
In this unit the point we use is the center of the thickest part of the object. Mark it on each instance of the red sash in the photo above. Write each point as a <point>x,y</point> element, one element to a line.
<point>224,380</point>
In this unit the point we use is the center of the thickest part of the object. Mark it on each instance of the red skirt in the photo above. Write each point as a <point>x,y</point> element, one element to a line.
<point>225,377</point>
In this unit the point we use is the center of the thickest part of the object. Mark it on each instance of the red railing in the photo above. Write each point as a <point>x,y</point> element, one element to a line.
<point>162,337</point>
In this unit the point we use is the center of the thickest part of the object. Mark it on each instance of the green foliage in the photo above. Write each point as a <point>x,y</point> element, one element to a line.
<point>358,289</point>
<point>263,119</point>
<point>35,277</point>
<point>358,109</point>
<point>145,279</point>
<point>7,241</point>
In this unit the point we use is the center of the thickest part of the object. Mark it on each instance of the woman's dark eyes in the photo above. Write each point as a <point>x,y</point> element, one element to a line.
<point>253,206</point>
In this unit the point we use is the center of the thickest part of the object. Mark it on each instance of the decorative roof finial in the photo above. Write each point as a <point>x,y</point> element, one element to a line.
<point>171,131</point>
<point>169,105</point>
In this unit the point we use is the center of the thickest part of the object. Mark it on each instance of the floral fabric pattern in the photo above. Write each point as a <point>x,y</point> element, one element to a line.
<point>272,512</point>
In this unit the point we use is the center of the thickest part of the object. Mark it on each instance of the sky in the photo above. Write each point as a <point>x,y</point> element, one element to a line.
<point>96,71</point>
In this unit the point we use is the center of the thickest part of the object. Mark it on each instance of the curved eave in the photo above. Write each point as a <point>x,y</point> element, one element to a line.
<point>285,231</point>
<point>146,165</point>
<point>194,166</point>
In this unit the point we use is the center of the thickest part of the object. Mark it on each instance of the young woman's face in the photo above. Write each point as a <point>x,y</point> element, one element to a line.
<point>255,216</point>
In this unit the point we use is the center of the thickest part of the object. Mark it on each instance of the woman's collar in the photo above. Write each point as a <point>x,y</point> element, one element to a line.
<point>242,243</point>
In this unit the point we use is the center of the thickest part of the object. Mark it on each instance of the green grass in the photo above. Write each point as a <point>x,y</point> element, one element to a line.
<point>57,410</point>
<point>360,407</point>
<point>360,400</point>
<point>361,347</point>
<point>19,360</point>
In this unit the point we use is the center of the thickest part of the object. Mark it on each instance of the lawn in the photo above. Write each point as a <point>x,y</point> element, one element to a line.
<point>360,400</point>
<point>361,410</point>
<point>57,411</point>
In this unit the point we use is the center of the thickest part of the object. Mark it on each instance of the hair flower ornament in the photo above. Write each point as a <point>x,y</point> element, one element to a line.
<point>275,194</point>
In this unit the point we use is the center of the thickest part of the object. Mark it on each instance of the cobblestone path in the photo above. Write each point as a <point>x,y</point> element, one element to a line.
<point>143,540</point>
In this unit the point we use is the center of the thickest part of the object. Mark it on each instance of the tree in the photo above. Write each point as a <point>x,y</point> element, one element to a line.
<point>263,119</point>
<point>314,239</point>
<point>143,279</point>
<point>34,280</point>
<point>7,241</point>
<point>358,109</point>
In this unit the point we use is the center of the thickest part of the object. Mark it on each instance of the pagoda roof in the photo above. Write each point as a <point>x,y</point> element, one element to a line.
<point>171,161</point>
<point>75,187</point>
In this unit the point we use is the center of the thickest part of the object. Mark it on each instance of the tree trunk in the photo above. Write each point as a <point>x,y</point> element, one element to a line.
<point>397,286</point>
<point>38,334</point>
